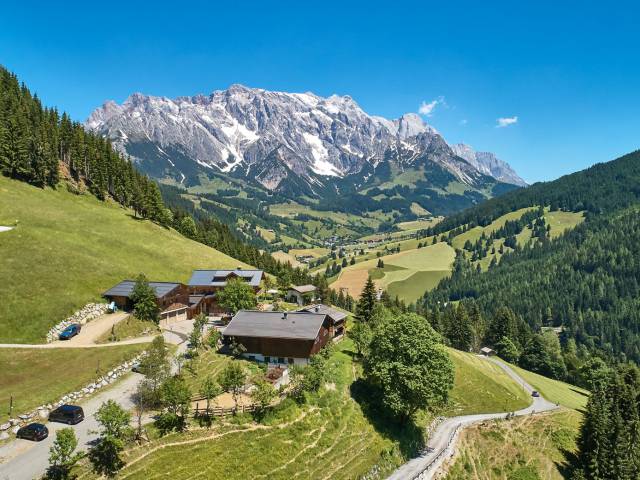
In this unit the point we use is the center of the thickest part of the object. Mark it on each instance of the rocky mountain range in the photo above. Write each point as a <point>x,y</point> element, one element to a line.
<point>277,139</point>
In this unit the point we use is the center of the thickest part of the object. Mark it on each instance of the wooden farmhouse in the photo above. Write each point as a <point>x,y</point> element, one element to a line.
<point>206,283</point>
<point>279,337</point>
<point>172,298</point>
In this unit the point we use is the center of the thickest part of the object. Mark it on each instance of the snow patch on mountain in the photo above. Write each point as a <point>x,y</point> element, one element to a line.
<point>314,137</point>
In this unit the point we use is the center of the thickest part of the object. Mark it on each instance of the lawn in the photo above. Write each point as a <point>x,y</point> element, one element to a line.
<point>336,436</point>
<point>556,391</point>
<point>68,249</point>
<point>525,448</point>
<point>38,376</point>
<point>131,327</point>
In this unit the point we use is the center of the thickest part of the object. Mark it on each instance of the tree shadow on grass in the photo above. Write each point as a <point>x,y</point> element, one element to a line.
<point>569,465</point>
<point>408,435</point>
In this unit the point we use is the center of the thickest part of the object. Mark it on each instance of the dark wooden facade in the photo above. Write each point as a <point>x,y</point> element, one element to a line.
<point>284,347</point>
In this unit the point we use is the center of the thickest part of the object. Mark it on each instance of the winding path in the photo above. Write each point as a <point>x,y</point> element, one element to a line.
<point>443,439</point>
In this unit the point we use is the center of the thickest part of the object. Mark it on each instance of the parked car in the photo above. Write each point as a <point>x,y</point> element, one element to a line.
<point>70,414</point>
<point>70,332</point>
<point>535,393</point>
<point>34,431</point>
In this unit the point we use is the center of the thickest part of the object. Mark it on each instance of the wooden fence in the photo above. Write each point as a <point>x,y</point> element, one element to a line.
<point>215,411</point>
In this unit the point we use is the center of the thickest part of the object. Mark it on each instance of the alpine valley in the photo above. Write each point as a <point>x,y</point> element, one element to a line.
<point>274,161</point>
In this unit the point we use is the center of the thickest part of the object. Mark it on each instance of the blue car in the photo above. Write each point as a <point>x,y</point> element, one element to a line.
<point>70,332</point>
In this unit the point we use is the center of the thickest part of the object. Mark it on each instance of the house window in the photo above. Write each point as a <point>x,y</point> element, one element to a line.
<point>280,359</point>
<point>290,360</point>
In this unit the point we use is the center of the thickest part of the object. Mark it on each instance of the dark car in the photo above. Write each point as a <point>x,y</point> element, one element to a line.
<point>70,332</point>
<point>70,414</point>
<point>34,431</point>
<point>535,393</point>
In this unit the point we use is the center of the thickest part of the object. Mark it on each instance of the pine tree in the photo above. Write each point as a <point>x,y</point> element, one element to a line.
<point>367,302</point>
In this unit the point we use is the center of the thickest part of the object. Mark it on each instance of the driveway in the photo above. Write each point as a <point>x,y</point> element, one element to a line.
<point>22,459</point>
<point>443,439</point>
<point>89,334</point>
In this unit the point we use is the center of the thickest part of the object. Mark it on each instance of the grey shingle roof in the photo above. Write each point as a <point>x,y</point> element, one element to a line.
<point>292,325</point>
<point>125,288</point>
<point>334,313</point>
<point>304,288</point>
<point>218,278</point>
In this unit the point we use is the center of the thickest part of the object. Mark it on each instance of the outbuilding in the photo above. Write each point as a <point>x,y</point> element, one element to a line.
<point>487,352</point>
<point>301,294</point>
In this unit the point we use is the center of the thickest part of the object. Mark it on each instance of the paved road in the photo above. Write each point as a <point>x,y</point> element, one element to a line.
<point>417,467</point>
<point>25,460</point>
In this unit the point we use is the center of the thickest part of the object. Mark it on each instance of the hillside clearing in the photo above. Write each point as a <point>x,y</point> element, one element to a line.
<point>68,249</point>
<point>38,376</point>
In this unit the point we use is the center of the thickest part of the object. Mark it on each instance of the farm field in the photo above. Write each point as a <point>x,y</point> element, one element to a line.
<point>36,376</point>
<point>67,249</point>
<point>336,436</point>
<point>522,448</point>
<point>413,272</point>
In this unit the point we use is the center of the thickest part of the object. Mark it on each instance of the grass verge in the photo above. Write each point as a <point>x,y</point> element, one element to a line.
<point>39,376</point>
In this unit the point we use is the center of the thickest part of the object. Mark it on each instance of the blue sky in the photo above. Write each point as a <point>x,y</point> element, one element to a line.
<point>569,71</point>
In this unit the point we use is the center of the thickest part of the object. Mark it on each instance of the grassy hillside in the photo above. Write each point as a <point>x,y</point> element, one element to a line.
<point>68,249</point>
<point>36,376</point>
<point>526,448</point>
<point>337,436</point>
<point>407,274</point>
<point>556,391</point>
<point>481,386</point>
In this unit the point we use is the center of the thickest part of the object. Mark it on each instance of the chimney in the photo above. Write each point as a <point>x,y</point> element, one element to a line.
<point>317,308</point>
<point>284,315</point>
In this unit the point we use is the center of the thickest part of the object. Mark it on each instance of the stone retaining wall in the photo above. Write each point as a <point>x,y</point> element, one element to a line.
<point>85,314</point>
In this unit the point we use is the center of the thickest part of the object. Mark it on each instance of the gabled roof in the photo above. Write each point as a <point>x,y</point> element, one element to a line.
<point>290,325</point>
<point>218,278</point>
<point>304,288</point>
<point>334,313</point>
<point>125,288</point>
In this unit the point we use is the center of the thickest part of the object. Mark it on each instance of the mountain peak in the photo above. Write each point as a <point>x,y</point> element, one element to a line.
<point>236,129</point>
<point>488,164</point>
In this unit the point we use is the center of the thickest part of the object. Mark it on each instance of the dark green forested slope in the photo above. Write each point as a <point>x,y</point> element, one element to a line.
<point>585,281</point>
<point>603,188</point>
